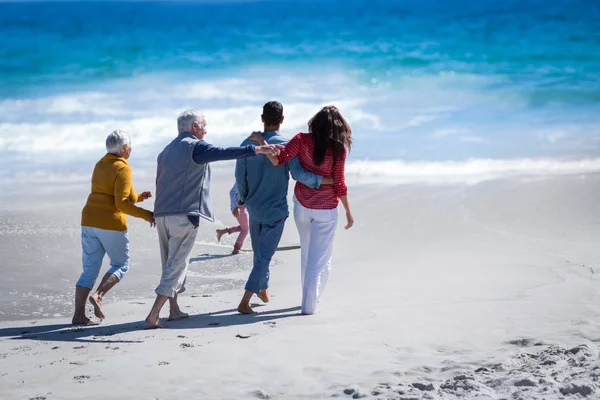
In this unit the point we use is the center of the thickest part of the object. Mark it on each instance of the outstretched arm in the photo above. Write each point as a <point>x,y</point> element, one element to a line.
<point>298,172</point>
<point>206,152</point>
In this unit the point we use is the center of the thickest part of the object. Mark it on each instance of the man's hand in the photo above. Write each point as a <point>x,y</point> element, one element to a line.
<point>256,136</point>
<point>349,220</point>
<point>145,195</point>
<point>152,222</point>
<point>236,211</point>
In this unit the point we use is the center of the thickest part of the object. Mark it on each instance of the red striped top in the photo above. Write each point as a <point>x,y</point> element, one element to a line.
<point>327,196</point>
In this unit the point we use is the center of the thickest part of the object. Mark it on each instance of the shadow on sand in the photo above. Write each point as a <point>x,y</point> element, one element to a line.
<point>207,256</point>
<point>102,333</point>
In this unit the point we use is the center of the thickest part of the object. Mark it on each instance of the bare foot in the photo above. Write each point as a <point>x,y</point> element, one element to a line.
<point>154,322</point>
<point>220,233</point>
<point>97,303</point>
<point>264,295</point>
<point>245,309</point>
<point>237,251</point>
<point>81,320</point>
<point>178,315</point>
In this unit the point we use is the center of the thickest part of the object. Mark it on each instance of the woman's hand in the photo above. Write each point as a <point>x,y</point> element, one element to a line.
<point>145,195</point>
<point>349,220</point>
<point>152,222</point>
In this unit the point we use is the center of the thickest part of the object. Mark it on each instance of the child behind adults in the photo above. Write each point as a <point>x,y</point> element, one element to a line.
<point>239,212</point>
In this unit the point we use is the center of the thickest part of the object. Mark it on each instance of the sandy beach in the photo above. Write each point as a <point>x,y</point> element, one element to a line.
<point>472,270</point>
<point>482,291</point>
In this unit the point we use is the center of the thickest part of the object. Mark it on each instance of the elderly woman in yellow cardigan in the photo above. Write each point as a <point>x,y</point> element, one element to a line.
<point>103,224</point>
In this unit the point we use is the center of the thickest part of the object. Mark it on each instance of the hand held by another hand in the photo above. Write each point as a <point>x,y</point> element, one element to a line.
<point>269,149</point>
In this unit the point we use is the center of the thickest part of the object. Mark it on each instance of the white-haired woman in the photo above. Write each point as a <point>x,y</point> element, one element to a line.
<point>104,224</point>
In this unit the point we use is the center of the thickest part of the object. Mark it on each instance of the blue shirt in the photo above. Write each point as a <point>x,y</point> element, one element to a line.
<point>264,188</point>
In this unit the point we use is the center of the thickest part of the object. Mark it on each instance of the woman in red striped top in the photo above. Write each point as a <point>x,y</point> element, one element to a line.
<point>322,151</point>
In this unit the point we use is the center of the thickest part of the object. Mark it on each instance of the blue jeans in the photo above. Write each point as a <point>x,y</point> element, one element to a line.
<point>265,239</point>
<point>95,243</point>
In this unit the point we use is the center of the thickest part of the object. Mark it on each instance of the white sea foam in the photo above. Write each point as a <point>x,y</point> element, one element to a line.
<point>465,172</point>
<point>79,122</point>
<point>360,172</point>
<point>432,117</point>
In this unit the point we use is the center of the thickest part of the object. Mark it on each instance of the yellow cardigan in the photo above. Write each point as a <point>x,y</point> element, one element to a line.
<point>112,197</point>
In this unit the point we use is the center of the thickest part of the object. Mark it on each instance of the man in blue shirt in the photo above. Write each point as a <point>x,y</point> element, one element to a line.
<point>263,189</point>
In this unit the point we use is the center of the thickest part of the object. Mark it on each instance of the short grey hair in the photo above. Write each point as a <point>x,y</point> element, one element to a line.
<point>187,118</point>
<point>116,140</point>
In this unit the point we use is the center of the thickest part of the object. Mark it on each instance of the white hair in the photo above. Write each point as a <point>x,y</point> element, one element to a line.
<point>116,140</point>
<point>187,118</point>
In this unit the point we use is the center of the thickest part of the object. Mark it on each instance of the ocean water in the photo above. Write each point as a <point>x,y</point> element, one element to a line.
<point>445,84</point>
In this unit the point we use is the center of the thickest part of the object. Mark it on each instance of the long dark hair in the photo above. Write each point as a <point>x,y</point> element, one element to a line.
<point>330,131</point>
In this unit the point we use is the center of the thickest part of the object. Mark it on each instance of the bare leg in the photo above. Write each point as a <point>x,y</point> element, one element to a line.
<point>108,281</point>
<point>81,294</point>
<point>153,319</point>
<point>244,307</point>
<point>175,312</point>
<point>264,295</point>
<point>220,233</point>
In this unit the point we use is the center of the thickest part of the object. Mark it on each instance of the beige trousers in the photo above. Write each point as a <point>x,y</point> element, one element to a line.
<point>176,237</point>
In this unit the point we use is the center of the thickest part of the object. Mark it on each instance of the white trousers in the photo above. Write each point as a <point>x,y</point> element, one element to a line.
<point>176,237</point>
<point>317,231</point>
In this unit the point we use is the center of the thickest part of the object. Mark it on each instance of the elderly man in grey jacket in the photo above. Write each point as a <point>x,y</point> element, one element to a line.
<point>182,197</point>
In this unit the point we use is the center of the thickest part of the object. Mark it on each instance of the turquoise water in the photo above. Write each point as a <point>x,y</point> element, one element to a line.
<point>419,80</point>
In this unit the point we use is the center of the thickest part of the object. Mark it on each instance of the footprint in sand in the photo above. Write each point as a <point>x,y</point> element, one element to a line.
<point>77,363</point>
<point>79,347</point>
<point>271,324</point>
<point>181,336</point>
<point>186,345</point>
<point>112,348</point>
<point>424,387</point>
<point>261,394</point>
<point>163,363</point>
<point>81,378</point>
<point>38,398</point>
<point>245,336</point>
<point>524,342</point>
<point>55,348</point>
